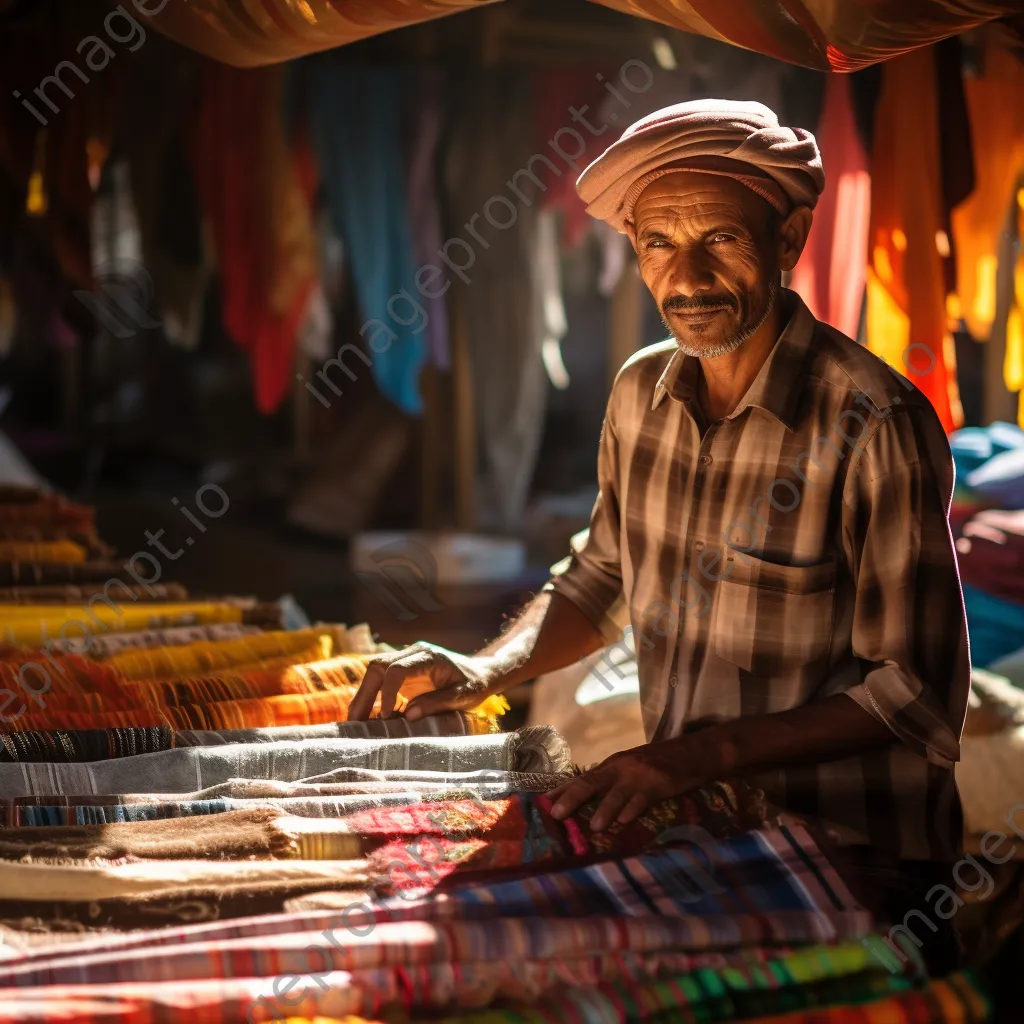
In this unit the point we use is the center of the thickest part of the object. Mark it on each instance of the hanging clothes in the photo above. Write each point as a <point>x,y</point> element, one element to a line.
<point>426,117</point>
<point>997,131</point>
<point>259,214</point>
<point>906,295</point>
<point>355,129</point>
<point>830,274</point>
<point>493,133</point>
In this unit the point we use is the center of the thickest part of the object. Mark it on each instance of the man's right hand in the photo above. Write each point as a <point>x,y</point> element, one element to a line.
<point>460,682</point>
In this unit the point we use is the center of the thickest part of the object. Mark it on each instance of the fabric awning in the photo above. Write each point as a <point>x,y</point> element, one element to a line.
<point>820,34</point>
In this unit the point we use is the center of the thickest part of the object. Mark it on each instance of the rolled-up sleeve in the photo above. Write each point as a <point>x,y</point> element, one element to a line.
<point>592,579</point>
<point>909,626</point>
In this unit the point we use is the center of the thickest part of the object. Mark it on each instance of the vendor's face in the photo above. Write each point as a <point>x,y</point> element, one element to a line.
<point>709,251</point>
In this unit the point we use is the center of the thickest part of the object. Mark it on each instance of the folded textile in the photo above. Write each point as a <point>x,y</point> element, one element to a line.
<point>308,801</point>
<point>768,886</point>
<point>235,834</point>
<point>183,770</point>
<point>205,656</point>
<point>43,552</point>
<point>68,593</point>
<point>447,723</point>
<point>995,626</point>
<point>33,625</point>
<point>469,835</point>
<point>113,643</point>
<point>82,745</point>
<point>990,554</point>
<point>35,574</point>
<point>145,955</point>
<point>433,974</point>
<point>708,995</point>
<point>868,999</point>
<point>154,878</point>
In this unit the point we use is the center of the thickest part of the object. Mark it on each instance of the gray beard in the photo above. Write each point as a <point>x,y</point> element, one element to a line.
<point>727,345</point>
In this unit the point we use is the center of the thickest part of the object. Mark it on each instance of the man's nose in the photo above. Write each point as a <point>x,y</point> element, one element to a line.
<point>691,272</point>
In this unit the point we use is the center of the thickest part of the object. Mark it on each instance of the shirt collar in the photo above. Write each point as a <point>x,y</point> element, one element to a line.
<point>779,382</point>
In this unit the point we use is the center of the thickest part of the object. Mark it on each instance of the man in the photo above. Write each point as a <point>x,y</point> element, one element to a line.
<point>773,504</point>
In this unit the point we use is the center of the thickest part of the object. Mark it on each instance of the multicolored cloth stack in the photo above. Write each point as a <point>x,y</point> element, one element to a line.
<point>191,830</point>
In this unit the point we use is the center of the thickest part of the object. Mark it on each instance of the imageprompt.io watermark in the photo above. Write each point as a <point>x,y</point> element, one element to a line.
<point>406,582</point>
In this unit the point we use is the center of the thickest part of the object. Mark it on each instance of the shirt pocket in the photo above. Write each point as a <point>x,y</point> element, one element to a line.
<point>773,619</point>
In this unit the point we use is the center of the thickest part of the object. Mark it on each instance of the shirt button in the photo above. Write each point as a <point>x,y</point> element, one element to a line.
<point>699,545</point>
<point>672,680</point>
<point>706,459</point>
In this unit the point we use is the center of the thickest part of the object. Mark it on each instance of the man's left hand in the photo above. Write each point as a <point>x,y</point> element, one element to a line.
<point>631,781</point>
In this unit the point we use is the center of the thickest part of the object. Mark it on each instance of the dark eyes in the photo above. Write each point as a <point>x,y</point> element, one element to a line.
<point>720,237</point>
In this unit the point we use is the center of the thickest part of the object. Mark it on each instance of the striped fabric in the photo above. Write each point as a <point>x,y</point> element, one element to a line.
<point>804,542</point>
<point>447,723</point>
<point>109,644</point>
<point>428,964</point>
<point>206,656</point>
<point>33,626</point>
<point>726,996</point>
<point>82,745</point>
<point>774,886</point>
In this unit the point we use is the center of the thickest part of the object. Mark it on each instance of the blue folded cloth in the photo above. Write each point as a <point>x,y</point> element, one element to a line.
<point>995,626</point>
<point>1000,480</point>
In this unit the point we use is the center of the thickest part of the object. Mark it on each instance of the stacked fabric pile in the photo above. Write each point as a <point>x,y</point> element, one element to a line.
<point>480,909</point>
<point>988,520</point>
<point>191,829</point>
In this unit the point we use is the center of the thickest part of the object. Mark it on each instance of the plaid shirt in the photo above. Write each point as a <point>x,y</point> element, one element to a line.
<point>799,549</point>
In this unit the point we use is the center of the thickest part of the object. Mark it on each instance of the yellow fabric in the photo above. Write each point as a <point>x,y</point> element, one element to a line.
<point>997,134</point>
<point>208,656</point>
<point>48,552</point>
<point>34,625</point>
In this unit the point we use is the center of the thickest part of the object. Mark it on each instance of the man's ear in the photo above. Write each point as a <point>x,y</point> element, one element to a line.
<point>793,237</point>
<point>631,232</point>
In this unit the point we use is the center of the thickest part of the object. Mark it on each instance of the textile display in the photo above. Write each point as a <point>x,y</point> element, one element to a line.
<point>70,592</point>
<point>204,656</point>
<point>520,830</point>
<point>447,723</point>
<point>355,789</point>
<point>773,886</point>
<point>234,835</point>
<point>109,644</point>
<point>817,34</point>
<point>906,290</point>
<point>955,1001</point>
<point>22,574</point>
<point>187,769</point>
<point>43,552</point>
<point>781,981</point>
<point>830,274</point>
<point>83,745</point>
<point>356,133</point>
<point>32,626</point>
<point>990,553</point>
<point>89,882</point>
<point>496,949</point>
<point>995,625</point>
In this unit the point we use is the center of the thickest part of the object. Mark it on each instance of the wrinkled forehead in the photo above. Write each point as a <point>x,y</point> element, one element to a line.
<point>693,199</point>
